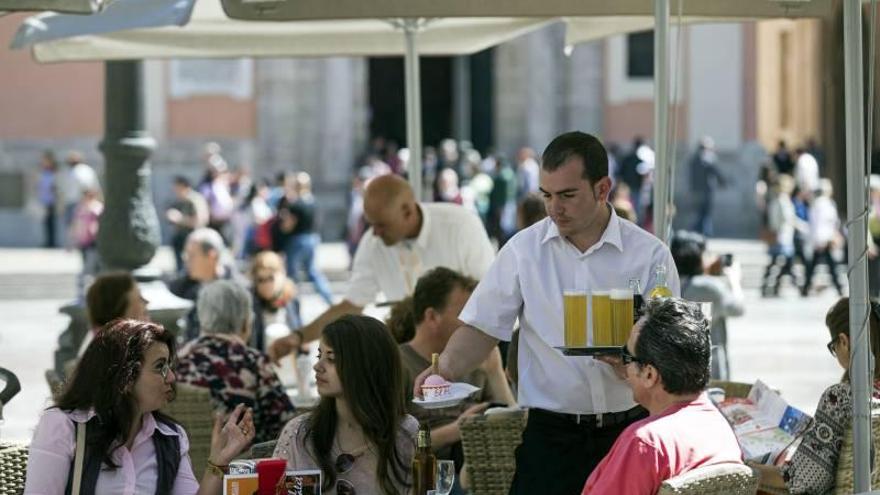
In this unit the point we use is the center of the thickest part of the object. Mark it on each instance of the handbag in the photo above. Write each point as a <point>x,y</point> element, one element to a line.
<point>78,458</point>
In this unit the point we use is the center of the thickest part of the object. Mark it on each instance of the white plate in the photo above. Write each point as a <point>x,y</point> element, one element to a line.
<point>457,393</point>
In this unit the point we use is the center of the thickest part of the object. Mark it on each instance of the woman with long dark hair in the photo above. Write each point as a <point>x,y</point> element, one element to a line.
<point>112,401</point>
<point>358,435</point>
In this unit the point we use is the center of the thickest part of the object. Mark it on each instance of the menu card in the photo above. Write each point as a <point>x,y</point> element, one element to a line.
<point>244,480</point>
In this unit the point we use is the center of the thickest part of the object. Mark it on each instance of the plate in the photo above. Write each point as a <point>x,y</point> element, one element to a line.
<point>457,393</point>
<point>592,351</point>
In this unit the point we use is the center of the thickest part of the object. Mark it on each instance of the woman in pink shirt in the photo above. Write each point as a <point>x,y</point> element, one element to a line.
<point>113,400</point>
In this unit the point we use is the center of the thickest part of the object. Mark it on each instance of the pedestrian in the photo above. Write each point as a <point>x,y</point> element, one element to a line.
<point>824,236</point>
<point>84,236</point>
<point>79,177</point>
<point>706,179</point>
<point>188,212</point>
<point>297,234</point>
<point>782,159</point>
<point>47,192</point>
<point>782,222</point>
<point>407,238</point>
<point>527,172</point>
<point>577,406</point>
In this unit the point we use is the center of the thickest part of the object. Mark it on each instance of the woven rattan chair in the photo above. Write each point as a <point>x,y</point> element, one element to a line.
<point>717,479</point>
<point>489,443</point>
<point>13,466</point>
<point>844,483</point>
<point>194,410</point>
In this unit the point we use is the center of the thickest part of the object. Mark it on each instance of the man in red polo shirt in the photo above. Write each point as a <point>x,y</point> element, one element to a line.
<point>666,364</point>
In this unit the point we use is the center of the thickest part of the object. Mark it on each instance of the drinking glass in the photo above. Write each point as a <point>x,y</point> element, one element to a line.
<point>575,317</point>
<point>445,477</point>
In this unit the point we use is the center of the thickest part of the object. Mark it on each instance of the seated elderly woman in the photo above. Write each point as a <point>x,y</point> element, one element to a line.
<point>221,360</point>
<point>813,465</point>
<point>112,295</point>
<point>112,403</point>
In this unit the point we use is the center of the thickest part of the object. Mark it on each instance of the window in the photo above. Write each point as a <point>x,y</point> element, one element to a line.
<point>640,55</point>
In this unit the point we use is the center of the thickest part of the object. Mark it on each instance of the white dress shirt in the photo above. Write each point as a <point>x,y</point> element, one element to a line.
<point>52,450</point>
<point>526,282</point>
<point>451,236</point>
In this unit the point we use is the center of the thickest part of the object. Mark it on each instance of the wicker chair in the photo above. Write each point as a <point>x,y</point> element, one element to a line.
<point>489,443</point>
<point>194,410</point>
<point>844,483</point>
<point>717,479</point>
<point>13,466</point>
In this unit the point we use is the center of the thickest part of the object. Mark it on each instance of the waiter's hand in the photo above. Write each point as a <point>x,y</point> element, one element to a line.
<point>615,363</point>
<point>419,380</point>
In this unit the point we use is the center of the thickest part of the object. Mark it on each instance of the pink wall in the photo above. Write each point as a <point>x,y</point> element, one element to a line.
<point>623,121</point>
<point>47,100</point>
<point>212,116</point>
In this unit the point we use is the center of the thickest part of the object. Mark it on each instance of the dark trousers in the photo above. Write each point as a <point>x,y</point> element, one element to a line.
<point>822,255</point>
<point>49,227</point>
<point>557,455</point>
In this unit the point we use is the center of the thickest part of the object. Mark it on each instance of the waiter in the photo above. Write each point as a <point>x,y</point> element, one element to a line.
<point>578,405</point>
<point>406,239</point>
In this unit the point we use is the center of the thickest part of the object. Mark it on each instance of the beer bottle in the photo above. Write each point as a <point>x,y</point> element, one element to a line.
<point>660,288</point>
<point>635,285</point>
<point>424,464</point>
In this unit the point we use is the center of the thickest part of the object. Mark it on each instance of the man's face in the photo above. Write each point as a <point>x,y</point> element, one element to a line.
<point>447,320</point>
<point>635,371</point>
<point>574,204</point>
<point>200,265</point>
<point>388,221</point>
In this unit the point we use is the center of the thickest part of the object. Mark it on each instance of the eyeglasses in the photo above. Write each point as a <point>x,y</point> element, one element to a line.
<point>263,280</point>
<point>344,463</point>
<point>627,357</point>
<point>165,369</point>
<point>832,346</point>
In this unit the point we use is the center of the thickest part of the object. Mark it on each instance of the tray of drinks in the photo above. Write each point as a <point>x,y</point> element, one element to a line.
<point>605,350</point>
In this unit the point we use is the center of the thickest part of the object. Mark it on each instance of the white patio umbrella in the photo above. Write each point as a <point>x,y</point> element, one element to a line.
<point>70,6</point>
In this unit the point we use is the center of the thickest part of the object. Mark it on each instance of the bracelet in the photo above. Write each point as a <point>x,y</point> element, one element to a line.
<point>219,470</point>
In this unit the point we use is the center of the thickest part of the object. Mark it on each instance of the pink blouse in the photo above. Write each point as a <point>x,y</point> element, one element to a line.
<point>54,443</point>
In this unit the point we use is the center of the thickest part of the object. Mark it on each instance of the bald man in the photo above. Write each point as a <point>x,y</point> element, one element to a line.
<point>405,240</point>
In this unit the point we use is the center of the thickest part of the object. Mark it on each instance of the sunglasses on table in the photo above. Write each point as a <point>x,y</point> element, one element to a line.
<point>344,463</point>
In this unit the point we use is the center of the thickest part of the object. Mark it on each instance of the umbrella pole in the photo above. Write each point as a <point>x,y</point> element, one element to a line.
<point>860,372</point>
<point>661,119</point>
<point>413,107</point>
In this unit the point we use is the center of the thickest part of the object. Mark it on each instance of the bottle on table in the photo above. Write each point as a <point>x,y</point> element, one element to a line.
<point>660,288</point>
<point>424,464</point>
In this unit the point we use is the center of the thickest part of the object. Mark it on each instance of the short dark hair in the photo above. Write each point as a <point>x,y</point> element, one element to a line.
<point>674,338</point>
<point>577,144</point>
<point>432,291</point>
<point>687,251</point>
<point>107,297</point>
<point>182,181</point>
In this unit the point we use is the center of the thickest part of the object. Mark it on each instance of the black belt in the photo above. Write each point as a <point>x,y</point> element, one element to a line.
<point>600,420</point>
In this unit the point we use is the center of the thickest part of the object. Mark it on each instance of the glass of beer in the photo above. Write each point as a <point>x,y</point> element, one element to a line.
<point>575,309</point>
<point>602,329</point>
<point>621,315</point>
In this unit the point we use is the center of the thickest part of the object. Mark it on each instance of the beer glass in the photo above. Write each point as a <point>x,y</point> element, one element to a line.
<point>602,329</point>
<point>575,310</point>
<point>621,315</point>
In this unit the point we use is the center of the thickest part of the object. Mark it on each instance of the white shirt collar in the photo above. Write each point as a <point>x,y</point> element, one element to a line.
<point>421,240</point>
<point>150,423</point>
<point>611,235</point>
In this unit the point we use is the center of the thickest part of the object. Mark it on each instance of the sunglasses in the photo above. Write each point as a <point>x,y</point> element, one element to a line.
<point>627,357</point>
<point>344,463</point>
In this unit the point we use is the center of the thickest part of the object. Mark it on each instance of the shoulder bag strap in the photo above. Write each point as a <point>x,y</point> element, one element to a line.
<point>79,457</point>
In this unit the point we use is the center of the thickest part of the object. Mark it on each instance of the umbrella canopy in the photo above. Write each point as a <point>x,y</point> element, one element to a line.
<point>189,28</point>
<point>378,9</point>
<point>71,6</point>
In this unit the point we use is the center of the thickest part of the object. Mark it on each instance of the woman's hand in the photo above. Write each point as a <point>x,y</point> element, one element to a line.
<point>232,436</point>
